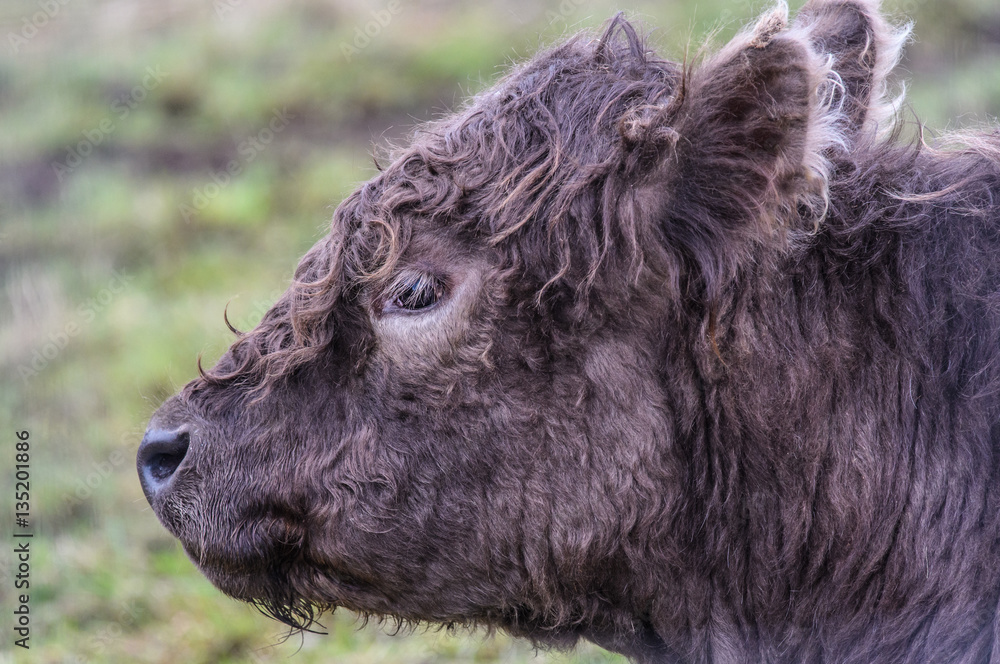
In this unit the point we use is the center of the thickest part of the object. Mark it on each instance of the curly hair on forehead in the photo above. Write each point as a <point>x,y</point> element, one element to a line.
<point>541,165</point>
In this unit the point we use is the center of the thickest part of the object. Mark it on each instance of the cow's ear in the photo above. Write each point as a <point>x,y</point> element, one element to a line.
<point>863,49</point>
<point>755,124</point>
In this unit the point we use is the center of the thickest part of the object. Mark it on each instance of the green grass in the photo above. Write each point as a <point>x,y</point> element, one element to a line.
<point>86,359</point>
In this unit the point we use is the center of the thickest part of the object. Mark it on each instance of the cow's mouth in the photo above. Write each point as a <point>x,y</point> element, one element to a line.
<point>251,544</point>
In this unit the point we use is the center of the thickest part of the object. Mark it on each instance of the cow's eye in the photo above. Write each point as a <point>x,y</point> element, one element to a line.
<point>413,293</point>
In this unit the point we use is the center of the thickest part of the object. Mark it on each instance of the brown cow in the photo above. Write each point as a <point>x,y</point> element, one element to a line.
<point>699,363</point>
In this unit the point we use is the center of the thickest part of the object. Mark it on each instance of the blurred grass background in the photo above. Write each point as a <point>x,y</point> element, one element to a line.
<point>123,236</point>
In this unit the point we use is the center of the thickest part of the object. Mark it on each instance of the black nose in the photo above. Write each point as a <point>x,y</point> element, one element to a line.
<point>160,454</point>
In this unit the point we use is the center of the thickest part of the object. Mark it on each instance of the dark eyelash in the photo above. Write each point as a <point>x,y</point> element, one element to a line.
<point>413,293</point>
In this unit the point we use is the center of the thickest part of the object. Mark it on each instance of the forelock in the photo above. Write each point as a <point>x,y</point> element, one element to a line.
<point>532,165</point>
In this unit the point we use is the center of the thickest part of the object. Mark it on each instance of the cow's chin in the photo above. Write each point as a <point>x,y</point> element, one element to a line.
<point>271,592</point>
<point>257,564</point>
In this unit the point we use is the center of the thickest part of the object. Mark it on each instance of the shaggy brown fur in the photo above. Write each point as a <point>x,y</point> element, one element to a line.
<point>699,363</point>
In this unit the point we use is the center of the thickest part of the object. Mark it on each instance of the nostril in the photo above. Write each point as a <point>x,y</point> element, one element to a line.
<point>161,466</point>
<point>160,454</point>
